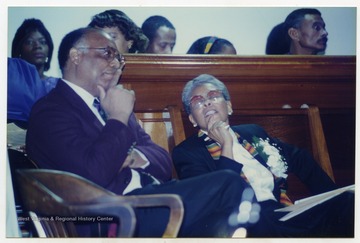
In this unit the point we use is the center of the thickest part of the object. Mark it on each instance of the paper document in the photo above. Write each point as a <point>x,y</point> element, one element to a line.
<point>309,202</point>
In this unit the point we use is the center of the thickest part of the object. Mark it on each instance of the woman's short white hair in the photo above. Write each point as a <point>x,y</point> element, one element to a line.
<point>199,81</point>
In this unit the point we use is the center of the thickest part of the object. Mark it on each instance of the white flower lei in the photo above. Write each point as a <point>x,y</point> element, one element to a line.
<point>274,160</point>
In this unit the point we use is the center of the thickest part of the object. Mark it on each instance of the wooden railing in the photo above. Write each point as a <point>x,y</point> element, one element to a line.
<point>253,82</point>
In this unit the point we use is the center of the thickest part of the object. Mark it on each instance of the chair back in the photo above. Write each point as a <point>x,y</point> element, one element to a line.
<point>165,127</point>
<point>300,127</point>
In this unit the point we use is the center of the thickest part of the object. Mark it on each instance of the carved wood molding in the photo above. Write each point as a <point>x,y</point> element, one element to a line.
<point>253,81</point>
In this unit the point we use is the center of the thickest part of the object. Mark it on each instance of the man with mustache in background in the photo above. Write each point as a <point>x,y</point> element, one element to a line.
<point>306,30</point>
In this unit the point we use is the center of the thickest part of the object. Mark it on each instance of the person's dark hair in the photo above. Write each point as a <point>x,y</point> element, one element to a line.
<point>294,19</point>
<point>277,43</point>
<point>69,41</point>
<point>199,81</point>
<point>208,45</point>
<point>117,18</point>
<point>22,33</point>
<point>153,23</point>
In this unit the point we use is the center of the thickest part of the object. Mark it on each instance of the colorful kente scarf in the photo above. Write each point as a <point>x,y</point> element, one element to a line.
<point>215,152</point>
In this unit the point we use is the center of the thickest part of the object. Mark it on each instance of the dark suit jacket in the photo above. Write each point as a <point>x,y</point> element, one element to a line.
<point>191,158</point>
<point>64,134</point>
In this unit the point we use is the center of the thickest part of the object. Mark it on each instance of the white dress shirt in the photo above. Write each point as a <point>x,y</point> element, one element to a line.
<point>259,177</point>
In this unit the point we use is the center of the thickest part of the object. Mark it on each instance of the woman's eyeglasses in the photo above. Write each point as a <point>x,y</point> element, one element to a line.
<point>198,101</point>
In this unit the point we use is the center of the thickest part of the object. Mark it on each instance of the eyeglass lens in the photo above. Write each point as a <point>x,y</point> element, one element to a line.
<point>198,101</point>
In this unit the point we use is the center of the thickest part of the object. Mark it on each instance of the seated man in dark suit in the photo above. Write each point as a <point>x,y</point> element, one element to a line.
<point>66,132</point>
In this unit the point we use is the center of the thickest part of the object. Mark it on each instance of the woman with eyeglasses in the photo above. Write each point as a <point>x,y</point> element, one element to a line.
<point>264,162</point>
<point>33,43</point>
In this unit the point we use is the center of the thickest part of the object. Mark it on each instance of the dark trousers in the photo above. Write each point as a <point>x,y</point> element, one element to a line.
<point>208,200</point>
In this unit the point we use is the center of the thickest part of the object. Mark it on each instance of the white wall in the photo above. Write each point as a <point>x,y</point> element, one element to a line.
<point>246,27</point>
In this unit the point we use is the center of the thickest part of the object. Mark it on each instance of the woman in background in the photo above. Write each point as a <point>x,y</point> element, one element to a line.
<point>212,45</point>
<point>127,36</point>
<point>33,43</point>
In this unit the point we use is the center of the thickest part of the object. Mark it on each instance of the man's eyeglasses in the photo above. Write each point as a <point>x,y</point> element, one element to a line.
<point>108,53</point>
<point>198,101</point>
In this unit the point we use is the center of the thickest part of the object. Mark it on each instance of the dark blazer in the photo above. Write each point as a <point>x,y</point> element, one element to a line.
<point>191,158</point>
<point>64,134</point>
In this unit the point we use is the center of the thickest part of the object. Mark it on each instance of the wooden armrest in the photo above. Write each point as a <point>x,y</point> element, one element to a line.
<point>51,192</point>
<point>171,201</point>
<point>124,212</point>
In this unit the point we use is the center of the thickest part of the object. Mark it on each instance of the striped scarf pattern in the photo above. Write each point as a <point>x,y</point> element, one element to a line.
<point>215,152</point>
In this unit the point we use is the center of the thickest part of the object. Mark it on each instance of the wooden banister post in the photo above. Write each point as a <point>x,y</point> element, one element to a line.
<point>318,141</point>
<point>178,126</point>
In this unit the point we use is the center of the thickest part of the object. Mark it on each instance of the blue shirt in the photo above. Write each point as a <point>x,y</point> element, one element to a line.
<point>24,89</point>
